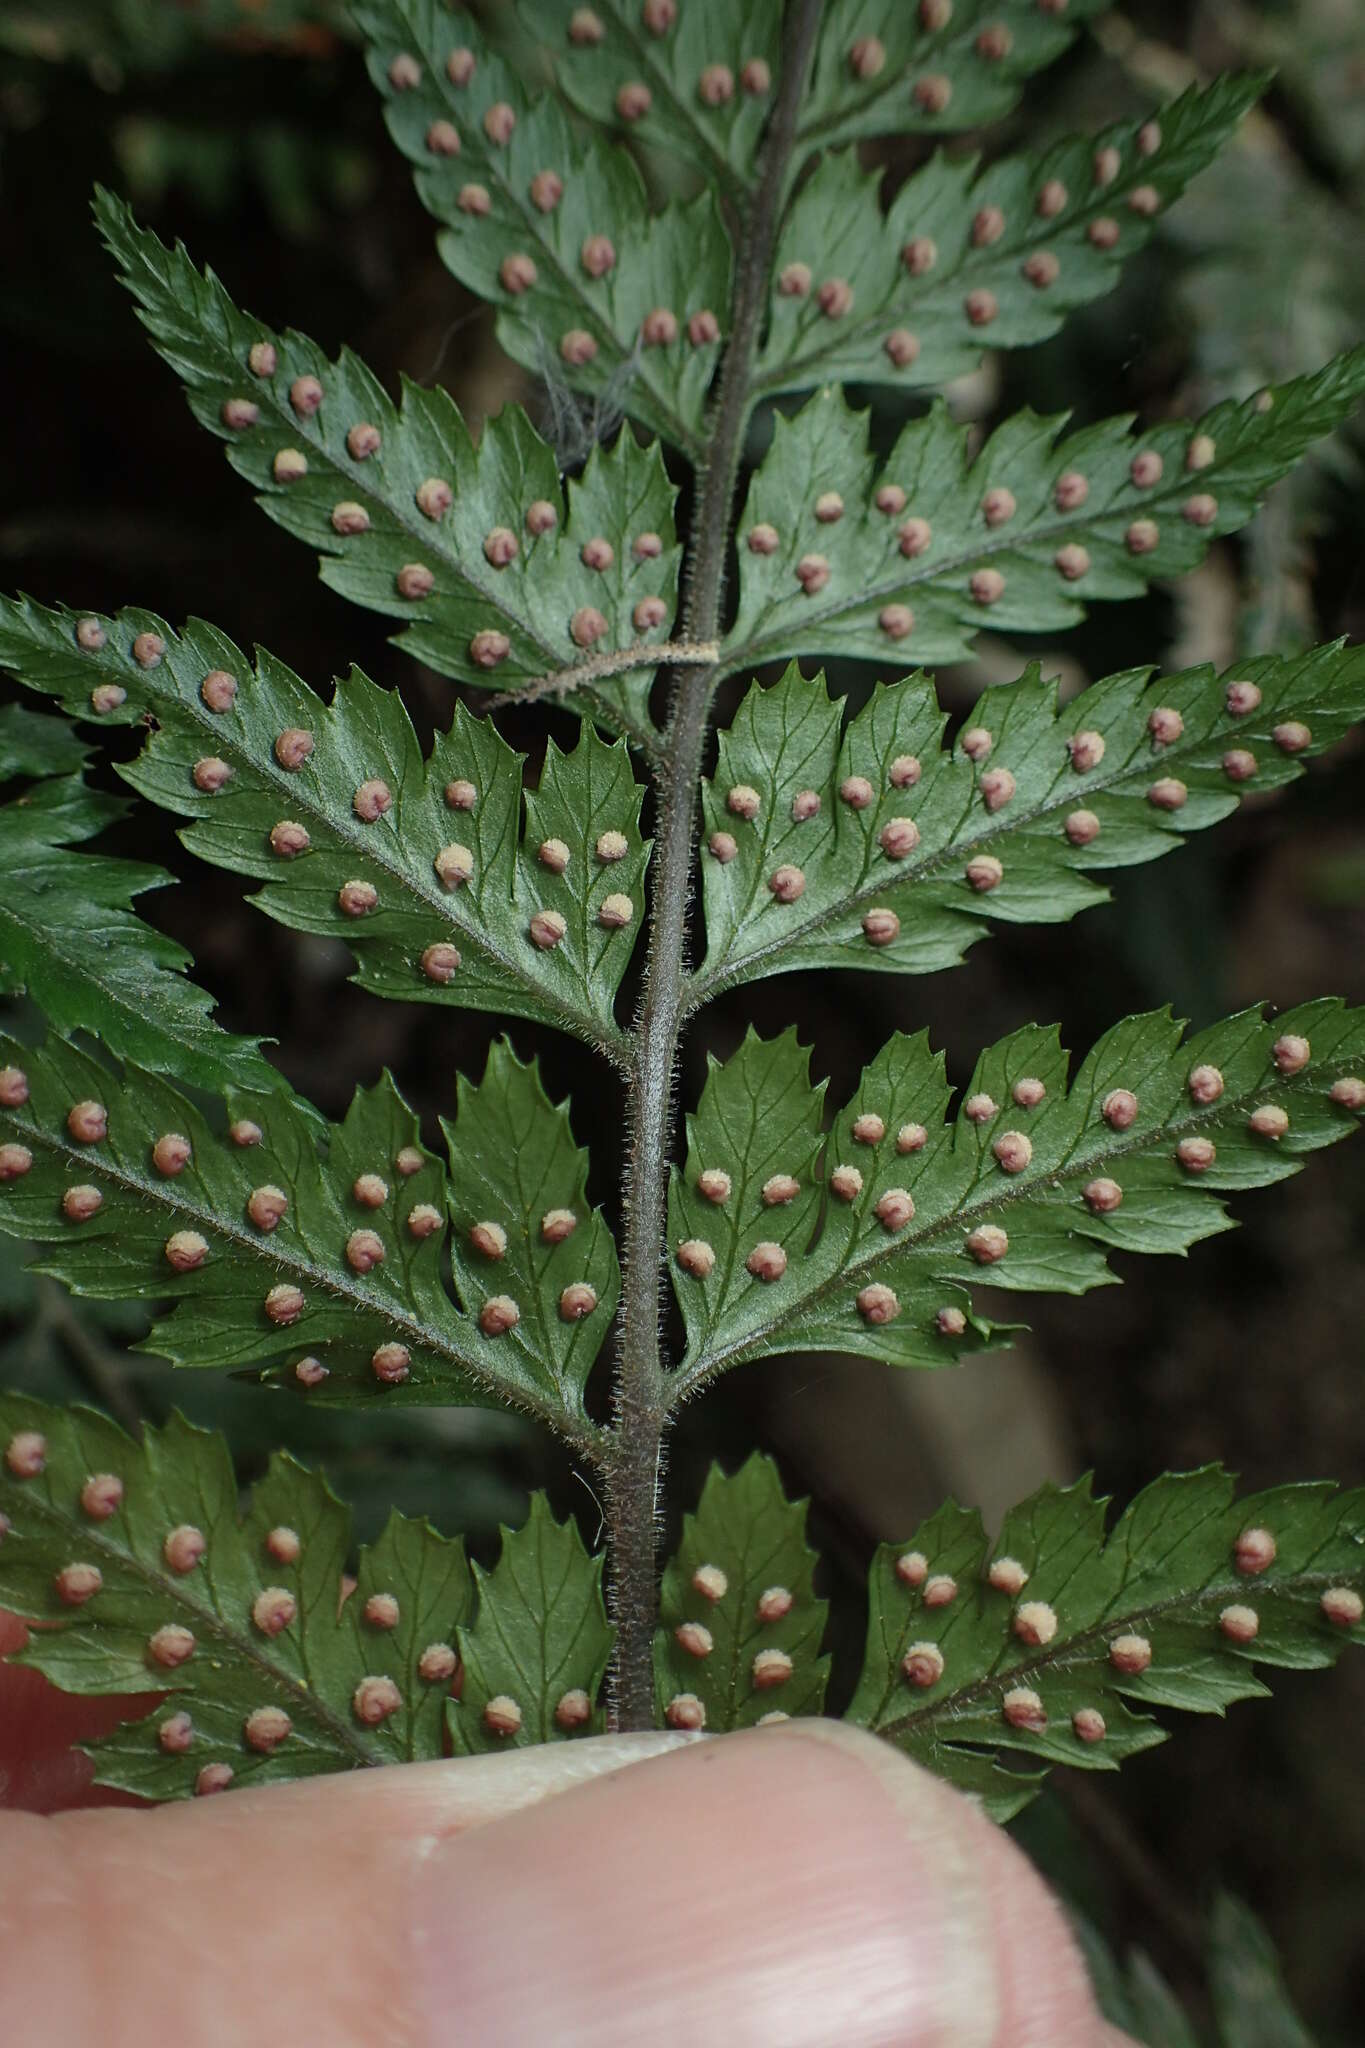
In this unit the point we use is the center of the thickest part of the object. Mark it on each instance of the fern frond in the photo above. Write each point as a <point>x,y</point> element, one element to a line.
<point>1054,1640</point>
<point>708,70</point>
<point>515,1167</point>
<point>535,1652</point>
<point>324,1272</point>
<point>147,1580</point>
<point>891,67</point>
<point>69,938</point>
<point>503,577</point>
<point>867,1239</point>
<point>424,868</point>
<point>841,556</point>
<point>551,224</point>
<point>967,258</point>
<point>873,847</point>
<point>741,1626</point>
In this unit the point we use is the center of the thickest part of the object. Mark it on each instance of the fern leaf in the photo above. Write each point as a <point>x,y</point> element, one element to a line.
<point>515,1166</point>
<point>328,1274</point>
<point>423,868</point>
<point>923,551</point>
<point>32,745</point>
<point>134,1558</point>
<point>866,1241</point>
<point>964,62</point>
<point>741,1626</point>
<point>1055,1640</point>
<point>68,935</point>
<point>875,848</point>
<point>967,258</point>
<point>709,70</point>
<point>535,1653</point>
<point>525,187</point>
<point>476,546</point>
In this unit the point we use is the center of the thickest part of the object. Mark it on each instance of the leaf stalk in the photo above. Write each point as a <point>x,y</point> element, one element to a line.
<point>642,1396</point>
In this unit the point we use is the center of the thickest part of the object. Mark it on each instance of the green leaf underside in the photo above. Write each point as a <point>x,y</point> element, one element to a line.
<point>533,601</point>
<point>34,745</point>
<point>540,1633</point>
<point>842,105</point>
<point>224,1312</point>
<point>1167,1573</point>
<point>678,259</point>
<point>721,135</point>
<point>759,1117</point>
<point>68,934</point>
<point>715,131</point>
<point>817,452</point>
<point>179,1478</point>
<point>364,734</point>
<point>514,1163</point>
<point>746,1528</point>
<point>984,226</point>
<point>789,741</point>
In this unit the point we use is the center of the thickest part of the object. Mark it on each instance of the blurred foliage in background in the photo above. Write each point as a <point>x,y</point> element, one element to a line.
<point>248,127</point>
<point>1250,2006</point>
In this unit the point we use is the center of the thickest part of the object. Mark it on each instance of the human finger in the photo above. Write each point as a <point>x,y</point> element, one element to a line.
<point>802,1884</point>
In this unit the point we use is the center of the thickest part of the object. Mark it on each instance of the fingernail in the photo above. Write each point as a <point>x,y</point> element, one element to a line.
<point>472,1791</point>
<point>1009,1974</point>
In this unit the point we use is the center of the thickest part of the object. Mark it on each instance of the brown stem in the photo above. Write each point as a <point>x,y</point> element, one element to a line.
<point>635,1448</point>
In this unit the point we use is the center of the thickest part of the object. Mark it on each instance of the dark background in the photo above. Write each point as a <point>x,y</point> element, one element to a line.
<point>252,131</point>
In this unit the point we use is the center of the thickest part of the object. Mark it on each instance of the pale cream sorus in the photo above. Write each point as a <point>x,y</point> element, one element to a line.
<point>711,1582</point>
<point>912,1567</point>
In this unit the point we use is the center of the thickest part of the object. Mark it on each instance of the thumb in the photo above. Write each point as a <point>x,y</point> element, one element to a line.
<point>802,1884</point>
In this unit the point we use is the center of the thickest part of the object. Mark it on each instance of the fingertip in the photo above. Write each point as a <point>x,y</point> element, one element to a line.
<point>1008,1928</point>
<point>295,1905</point>
<point>803,1884</point>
